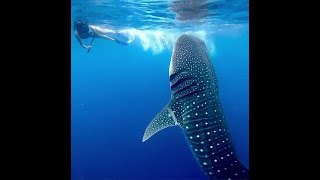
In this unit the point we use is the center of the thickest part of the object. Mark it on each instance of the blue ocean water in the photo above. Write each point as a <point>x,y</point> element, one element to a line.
<point>117,90</point>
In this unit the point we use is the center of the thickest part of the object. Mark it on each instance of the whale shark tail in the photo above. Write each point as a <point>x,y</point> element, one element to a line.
<point>165,118</point>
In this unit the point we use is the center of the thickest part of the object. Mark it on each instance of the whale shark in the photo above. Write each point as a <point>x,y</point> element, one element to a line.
<point>195,106</point>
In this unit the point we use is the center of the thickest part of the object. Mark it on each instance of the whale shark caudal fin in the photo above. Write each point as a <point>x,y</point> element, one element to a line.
<point>165,118</point>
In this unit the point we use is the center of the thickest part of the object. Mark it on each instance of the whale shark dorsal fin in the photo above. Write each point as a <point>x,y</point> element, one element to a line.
<point>165,118</point>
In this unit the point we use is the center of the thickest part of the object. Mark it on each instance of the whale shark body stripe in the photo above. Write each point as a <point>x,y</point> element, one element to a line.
<point>196,108</point>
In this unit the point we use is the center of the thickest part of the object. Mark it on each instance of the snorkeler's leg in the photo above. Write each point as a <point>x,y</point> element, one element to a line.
<point>121,43</point>
<point>124,37</point>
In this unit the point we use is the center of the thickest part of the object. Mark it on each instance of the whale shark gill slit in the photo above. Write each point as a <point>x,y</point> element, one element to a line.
<point>185,84</point>
<point>180,81</point>
<point>187,93</point>
<point>175,77</point>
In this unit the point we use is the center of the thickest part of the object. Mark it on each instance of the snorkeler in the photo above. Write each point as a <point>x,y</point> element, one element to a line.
<point>83,30</point>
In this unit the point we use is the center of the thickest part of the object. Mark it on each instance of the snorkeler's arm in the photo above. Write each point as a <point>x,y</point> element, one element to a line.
<point>80,41</point>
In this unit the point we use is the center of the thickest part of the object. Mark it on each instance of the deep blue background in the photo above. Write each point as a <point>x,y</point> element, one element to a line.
<point>117,91</point>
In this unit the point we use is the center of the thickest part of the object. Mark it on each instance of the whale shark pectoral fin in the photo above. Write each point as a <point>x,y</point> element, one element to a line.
<point>165,118</point>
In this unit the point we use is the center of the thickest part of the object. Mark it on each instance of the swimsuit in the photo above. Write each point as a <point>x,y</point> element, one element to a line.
<point>86,35</point>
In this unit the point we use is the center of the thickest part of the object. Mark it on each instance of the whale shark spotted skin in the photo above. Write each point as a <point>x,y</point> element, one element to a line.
<point>195,107</point>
